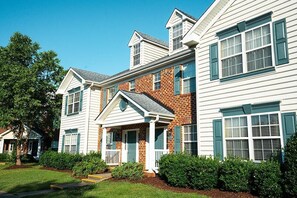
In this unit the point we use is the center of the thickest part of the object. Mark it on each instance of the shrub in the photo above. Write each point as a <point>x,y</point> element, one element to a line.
<point>129,170</point>
<point>290,167</point>
<point>173,169</point>
<point>4,157</point>
<point>89,166</point>
<point>202,173</point>
<point>59,161</point>
<point>91,155</point>
<point>267,179</point>
<point>235,175</point>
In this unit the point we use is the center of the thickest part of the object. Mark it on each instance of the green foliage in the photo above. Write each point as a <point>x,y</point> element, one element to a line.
<point>129,170</point>
<point>92,155</point>
<point>29,79</point>
<point>90,166</point>
<point>173,168</point>
<point>189,171</point>
<point>4,157</point>
<point>235,175</point>
<point>267,179</point>
<point>61,161</point>
<point>290,167</point>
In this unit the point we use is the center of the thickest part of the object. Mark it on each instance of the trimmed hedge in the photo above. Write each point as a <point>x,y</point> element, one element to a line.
<point>267,179</point>
<point>129,170</point>
<point>235,175</point>
<point>90,166</point>
<point>290,167</point>
<point>188,171</point>
<point>59,161</point>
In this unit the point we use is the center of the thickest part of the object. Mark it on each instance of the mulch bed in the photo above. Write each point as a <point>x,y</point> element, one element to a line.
<point>161,184</point>
<point>17,167</point>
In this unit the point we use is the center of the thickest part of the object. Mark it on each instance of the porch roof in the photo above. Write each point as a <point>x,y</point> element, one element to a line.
<point>140,108</point>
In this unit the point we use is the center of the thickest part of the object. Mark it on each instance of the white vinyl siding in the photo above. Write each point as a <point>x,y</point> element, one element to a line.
<point>279,85</point>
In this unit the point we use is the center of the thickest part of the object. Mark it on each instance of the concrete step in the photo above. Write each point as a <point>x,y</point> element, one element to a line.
<point>95,177</point>
<point>90,181</point>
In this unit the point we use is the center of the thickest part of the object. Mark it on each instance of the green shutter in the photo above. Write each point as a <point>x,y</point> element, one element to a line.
<point>114,141</point>
<point>66,104</point>
<point>218,139</point>
<point>213,61</point>
<point>63,142</point>
<point>280,42</point>
<point>104,98</point>
<point>81,100</point>
<point>176,80</point>
<point>288,125</point>
<point>177,139</point>
<point>78,143</point>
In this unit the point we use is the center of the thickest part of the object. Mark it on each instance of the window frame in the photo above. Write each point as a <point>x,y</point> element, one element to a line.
<point>70,142</point>
<point>132,88</point>
<point>180,44</point>
<point>244,51</point>
<point>136,54</point>
<point>191,126</point>
<point>250,137</point>
<point>183,79</point>
<point>72,104</point>
<point>155,82</point>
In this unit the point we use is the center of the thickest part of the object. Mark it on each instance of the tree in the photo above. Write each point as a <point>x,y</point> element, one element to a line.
<point>28,79</point>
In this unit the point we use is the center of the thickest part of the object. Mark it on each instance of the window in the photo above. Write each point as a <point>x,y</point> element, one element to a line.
<point>132,85</point>
<point>70,143</point>
<point>247,51</point>
<point>255,136</point>
<point>136,55</point>
<point>111,92</point>
<point>73,103</point>
<point>188,78</point>
<point>109,140</point>
<point>177,36</point>
<point>157,81</point>
<point>190,139</point>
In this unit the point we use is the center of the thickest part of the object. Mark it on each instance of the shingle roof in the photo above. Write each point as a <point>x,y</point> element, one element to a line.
<point>194,18</point>
<point>91,76</point>
<point>150,38</point>
<point>2,130</point>
<point>147,103</point>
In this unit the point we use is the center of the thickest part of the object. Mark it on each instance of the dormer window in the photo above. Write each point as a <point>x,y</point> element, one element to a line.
<point>136,56</point>
<point>177,36</point>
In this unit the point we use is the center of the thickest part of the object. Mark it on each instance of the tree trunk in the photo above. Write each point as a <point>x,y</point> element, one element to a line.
<point>18,153</point>
<point>19,136</point>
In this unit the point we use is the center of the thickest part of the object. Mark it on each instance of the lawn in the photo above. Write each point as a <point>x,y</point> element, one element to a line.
<point>30,179</point>
<point>118,189</point>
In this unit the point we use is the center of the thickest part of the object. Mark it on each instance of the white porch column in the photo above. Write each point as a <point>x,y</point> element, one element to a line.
<point>1,145</point>
<point>39,148</point>
<point>152,146</point>
<point>103,151</point>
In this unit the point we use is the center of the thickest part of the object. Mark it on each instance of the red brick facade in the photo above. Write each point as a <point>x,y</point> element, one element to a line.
<point>183,106</point>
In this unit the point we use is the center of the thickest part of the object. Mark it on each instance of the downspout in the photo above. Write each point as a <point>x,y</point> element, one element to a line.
<point>88,118</point>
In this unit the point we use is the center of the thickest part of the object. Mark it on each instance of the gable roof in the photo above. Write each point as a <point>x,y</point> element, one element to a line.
<point>148,38</point>
<point>147,103</point>
<point>190,16</point>
<point>184,15</point>
<point>216,9</point>
<point>90,76</point>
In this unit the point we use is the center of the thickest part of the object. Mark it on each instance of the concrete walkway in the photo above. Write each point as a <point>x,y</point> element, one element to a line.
<point>7,195</point>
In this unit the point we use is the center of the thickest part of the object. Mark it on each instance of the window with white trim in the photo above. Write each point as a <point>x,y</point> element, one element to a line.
<point>247,51</point>
<point>70,143</point>
<point>132,85</point>
<point>255,136</point>
<point>188,78</point>
<point>157,81</point>
<point>177,35</point>
<point>111,92</point>
<point>136,54</point>
<point>109,140</point>
<point>73,103</point>
<point>190,139</point>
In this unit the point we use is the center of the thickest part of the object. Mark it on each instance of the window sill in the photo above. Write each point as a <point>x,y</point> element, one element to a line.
<point>252,73</point>
<point>71,114</point>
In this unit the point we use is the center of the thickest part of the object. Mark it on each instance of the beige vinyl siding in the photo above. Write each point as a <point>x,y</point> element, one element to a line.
<point>94,112</point>
<point>73,121</point>
<point>116,117</point>
<point>280,85</point>
<point>151,52</point>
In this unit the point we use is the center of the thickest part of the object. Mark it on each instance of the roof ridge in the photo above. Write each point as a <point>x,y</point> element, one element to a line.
<point>152,38</point>
<point>89,71</point>
<point>188,15</point>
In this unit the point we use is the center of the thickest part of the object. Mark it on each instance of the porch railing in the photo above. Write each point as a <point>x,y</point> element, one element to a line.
<point>112,156</point>
<point>158,155</point>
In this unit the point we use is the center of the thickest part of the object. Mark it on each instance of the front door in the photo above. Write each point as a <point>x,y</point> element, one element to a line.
<point>131,146</point>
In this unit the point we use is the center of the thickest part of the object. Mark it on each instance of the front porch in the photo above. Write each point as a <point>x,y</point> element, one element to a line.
<point>134,129</point>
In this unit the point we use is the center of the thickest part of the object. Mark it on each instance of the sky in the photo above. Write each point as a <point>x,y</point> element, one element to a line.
<point>91,34</point>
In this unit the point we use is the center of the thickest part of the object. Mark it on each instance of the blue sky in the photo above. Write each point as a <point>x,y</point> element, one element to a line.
<point>91,34</point>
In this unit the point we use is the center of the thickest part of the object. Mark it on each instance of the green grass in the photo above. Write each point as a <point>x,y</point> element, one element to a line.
<point>30,179</point>
<point>118,189</point>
